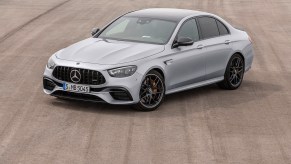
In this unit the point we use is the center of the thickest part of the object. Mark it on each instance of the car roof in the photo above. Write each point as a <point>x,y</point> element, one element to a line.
<point>170,14</point>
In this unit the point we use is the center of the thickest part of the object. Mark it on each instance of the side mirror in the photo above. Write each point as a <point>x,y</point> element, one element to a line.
<point>94,31</point>
<point>183,41</point>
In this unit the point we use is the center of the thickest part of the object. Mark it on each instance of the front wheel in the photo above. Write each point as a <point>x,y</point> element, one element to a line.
<point>234,73</point>
<point>152,92</point>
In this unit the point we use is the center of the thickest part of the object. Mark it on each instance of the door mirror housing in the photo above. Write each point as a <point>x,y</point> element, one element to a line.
<point>183,41</point>
<point>94,31</point>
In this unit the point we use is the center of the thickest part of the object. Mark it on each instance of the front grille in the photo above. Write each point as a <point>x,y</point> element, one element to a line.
<point>77,96</point>
<point>89,77</point>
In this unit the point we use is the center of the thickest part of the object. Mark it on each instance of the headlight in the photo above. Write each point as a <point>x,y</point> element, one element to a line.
<point>51,64</point>
<point>122,71</point>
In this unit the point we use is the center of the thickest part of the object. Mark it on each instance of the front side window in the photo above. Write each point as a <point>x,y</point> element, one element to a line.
<point>208,27</point>
<point>137,29</point>
<point>189,29</point>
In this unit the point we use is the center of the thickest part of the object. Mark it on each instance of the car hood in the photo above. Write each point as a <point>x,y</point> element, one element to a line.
<point>100,51</point>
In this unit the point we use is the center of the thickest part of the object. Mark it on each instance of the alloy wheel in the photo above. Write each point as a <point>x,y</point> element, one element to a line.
<point>236,71</point>
<point>152,91</point>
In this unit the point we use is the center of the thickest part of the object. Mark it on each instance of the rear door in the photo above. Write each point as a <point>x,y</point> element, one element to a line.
<point>216,41</point>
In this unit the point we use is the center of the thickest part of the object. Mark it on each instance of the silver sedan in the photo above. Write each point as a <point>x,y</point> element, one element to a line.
<point>143,55</point>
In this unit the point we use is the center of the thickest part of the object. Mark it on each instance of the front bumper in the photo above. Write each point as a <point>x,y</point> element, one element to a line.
<point>113,91</point>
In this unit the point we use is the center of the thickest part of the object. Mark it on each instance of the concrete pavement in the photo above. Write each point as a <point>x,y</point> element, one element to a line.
<point>204,125</point>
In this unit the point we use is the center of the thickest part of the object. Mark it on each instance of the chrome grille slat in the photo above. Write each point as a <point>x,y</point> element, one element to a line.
<point>62,74</point>
<point>89,77</point>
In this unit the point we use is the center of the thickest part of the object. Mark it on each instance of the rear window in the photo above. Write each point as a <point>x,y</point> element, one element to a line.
<point>208,27</point>
<point>222,29</point>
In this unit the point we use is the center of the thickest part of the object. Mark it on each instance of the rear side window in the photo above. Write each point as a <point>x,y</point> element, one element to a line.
<point>208,27</point>
<point>189,29</point>
<point>222,29</point>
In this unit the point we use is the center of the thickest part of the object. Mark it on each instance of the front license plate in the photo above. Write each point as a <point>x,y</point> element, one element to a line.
<point>76,88</point>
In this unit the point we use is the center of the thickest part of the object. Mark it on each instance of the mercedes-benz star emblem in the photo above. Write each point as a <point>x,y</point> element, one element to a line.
<point>75,76</point>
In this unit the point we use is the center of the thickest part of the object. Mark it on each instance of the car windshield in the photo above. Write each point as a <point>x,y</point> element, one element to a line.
<point>146,30</point>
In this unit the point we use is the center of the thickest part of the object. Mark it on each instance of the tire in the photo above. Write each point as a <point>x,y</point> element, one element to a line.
<point>234,73</point>
<point>152,92</point>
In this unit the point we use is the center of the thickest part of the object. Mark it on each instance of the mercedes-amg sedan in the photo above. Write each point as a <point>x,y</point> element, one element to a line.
<point>144,55</point>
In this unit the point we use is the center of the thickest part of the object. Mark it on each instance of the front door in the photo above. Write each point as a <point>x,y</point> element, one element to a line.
<point>186,64</point>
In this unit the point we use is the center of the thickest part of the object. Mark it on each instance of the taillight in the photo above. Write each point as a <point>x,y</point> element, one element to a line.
<point>250,39</point>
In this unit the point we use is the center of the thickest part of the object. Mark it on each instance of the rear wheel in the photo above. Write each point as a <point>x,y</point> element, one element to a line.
<point>234,73</point>
<point>152,92</point>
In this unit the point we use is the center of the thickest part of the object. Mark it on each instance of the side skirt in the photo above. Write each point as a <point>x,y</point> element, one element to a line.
<point>195,85</point>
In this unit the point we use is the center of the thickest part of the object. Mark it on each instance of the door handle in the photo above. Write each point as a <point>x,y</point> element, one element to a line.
<point>169,62</point>
<point>227,42</point>
<point>200,46</point>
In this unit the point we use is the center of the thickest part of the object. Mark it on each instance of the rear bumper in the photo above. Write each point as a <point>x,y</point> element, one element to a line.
<point>248,52</point>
